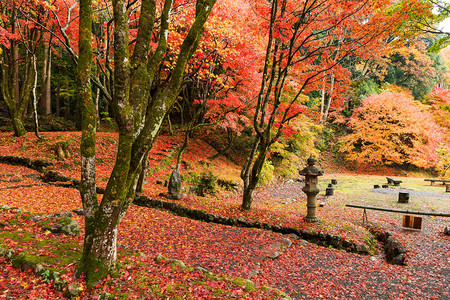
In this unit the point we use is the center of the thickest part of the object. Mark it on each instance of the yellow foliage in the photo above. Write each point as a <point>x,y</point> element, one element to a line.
<point>289,153</point>
<point>443,166</point>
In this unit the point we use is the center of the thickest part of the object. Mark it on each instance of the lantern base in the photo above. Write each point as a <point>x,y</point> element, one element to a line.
<point>311,219</point>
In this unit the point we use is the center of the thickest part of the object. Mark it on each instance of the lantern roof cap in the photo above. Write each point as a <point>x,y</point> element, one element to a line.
<point>311,169</point>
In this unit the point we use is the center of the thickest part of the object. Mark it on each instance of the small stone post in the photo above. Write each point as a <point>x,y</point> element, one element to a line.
<point>329,191</point>
<point>311,190</point>
<point>403,197</point>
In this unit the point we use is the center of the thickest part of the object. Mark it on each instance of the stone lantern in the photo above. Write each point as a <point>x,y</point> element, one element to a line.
<point>311,190</point>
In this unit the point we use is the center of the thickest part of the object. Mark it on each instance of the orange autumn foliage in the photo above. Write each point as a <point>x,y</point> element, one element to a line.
<point>392,129</point>
<point>439,101</point>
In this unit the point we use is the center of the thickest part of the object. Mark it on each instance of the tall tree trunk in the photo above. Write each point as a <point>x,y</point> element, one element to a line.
<point>46,82</point>
<point>36,122</point>
<point>58,100</point>
<point>93,257</point>
<point>16,84</point>
<point>330,99</point>
<point>13,101</point>
<point>251,170</point>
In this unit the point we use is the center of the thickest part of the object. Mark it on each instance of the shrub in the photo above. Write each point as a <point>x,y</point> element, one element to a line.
<point>204,183</point>
<point>443,166</point>
<point>51,123</point>
<point>266,175</point>
<point>392,129</point>
<point>288,153</point>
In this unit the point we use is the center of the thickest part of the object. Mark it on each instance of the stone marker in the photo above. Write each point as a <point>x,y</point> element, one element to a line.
<point>174,186</point>
<point>329,191</point>
<point>403,197</point>
<point>447,230</point>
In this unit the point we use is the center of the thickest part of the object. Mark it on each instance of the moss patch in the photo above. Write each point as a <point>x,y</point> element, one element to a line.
<point>16,236</point>
<point>14,222</point>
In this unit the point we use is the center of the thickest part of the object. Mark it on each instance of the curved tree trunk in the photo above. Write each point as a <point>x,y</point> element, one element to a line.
<point>251,172</point>
<point>15,94</point>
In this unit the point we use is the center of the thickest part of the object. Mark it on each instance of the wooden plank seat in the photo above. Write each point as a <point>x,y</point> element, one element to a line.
<point>393,181</point>
<point>433,180</point>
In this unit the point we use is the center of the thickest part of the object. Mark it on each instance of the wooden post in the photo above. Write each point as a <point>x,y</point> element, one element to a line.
<point>364,216</point>
<point>412,222</point>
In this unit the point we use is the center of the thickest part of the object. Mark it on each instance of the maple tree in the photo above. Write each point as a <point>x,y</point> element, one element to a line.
<point>391,128</point>
<point>285,152</point>
<point>412,67</point>
<point>439,101</point>
<point>307,40</point>
<point>428,22</point>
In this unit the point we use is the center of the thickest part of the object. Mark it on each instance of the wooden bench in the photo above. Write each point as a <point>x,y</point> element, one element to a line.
<point>393,181</point>
<point>407,221</point>
<point>432,180</point>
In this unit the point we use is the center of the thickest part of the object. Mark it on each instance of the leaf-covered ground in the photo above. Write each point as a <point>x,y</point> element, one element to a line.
<point>303,270</point>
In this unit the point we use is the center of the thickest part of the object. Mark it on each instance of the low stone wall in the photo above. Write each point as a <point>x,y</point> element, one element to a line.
<point>396,252</point>
<point>38,165</point>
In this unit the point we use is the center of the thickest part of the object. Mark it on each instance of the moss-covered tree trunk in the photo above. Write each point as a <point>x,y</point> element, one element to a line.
<point>17,81</point>
<point>88,137</point>
<point>17,93</point>
<point>139,115</point>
